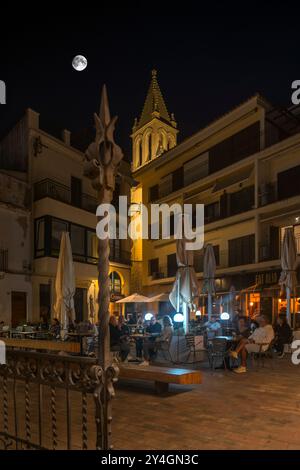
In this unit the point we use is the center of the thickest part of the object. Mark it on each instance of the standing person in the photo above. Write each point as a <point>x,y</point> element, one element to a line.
<point>283,335</point>
<point>150,347</point>
<point>258,341</point>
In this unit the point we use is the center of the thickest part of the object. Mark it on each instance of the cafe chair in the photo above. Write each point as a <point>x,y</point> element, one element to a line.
<point>217,352</point>
<point>260,356</point>
<point>190,343</point>
<point>165,348</point>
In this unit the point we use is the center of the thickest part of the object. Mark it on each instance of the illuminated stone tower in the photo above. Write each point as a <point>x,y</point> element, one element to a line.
<point>155,131</point>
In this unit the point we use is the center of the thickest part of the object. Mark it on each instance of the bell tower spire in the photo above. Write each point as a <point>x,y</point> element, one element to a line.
<point>155,131</point>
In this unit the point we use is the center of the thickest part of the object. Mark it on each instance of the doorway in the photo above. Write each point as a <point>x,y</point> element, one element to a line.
<point>80,303</point>
<point>18,308</point>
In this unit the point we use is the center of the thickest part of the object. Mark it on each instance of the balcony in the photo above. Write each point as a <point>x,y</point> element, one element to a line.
<point>62,193</point>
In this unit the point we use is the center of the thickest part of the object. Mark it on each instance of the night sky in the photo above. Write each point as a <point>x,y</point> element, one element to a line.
<point>207,64</point>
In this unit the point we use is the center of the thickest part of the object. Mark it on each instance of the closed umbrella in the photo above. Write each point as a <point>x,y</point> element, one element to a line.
<point>288,277</point>
<point>185,287</point>
<point>209,269</point>
<point>65,283</point>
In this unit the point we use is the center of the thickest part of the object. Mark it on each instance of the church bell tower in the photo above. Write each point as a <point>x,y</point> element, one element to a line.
<point>155,132</point>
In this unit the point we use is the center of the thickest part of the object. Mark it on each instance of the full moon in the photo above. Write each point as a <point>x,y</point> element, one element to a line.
<point>79,63</point>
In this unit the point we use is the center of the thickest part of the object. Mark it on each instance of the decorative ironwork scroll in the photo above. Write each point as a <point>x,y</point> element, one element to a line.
<point>103,158</point>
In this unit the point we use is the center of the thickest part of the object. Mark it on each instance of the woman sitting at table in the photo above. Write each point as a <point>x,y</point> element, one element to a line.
<point>55,328</point>
<point>150,347</point>
<point>116,339</point>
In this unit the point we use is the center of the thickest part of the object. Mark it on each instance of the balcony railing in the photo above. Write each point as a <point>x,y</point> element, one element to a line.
<point>62,193</point>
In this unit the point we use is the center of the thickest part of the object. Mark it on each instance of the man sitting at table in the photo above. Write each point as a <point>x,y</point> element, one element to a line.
<point>257,342</point>
<point>116,339</point>
<point>150,347</point>
<point>213,327</point>
<point>155,327</point>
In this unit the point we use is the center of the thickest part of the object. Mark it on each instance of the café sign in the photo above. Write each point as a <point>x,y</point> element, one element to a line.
<point>267,278</point>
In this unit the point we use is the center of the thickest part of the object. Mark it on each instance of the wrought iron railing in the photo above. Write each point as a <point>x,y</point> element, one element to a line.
<point>51,402</point>
<point>62,193</point>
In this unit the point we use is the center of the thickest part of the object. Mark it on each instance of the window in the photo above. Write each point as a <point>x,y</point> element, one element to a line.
<point>199,258</point>
<point>195,169</point>
<point>115,283</point>
<point>165,185</point>
<point>242,201</point>
<point>235,148</point>
<point>177,179</point>
<point>48,232</point>
<point>92,246</point>
<point>58,226</point>
<point>211,211</point>
<point>153,193</point>
<point>76,191</point>
<point>78,242</point>
<point>172,265</point>
<point>149,146</point>
<point>40,237</point>
<point>153,266</point>
<point>241,250</point>
<point>288,183</point>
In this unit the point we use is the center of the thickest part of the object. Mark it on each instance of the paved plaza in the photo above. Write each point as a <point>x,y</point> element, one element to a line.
<point>256,410</point>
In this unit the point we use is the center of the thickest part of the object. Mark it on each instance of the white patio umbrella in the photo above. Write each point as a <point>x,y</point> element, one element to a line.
<point>185,287</point>
<point>134,298</point>
<point>209,269</point>
<point>65,284</point>
<point>288,277</point>
<point>160,298</point>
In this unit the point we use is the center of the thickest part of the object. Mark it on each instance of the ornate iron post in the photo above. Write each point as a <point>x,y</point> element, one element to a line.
<point>103,157</point>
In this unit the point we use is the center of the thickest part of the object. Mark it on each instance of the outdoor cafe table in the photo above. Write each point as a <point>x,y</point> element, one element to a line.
<point>22,334</point>
<point>80,337</point>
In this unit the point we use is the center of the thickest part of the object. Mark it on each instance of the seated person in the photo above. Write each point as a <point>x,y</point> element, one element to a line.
<point>283,335</point>
<point>243,329</point>
<point>258,341</point>
<point>213,327</point>
<point>123,326</point>
<point>55,328</point>
<point>154,327</point>
<point>150,347</point>
<point>116,337</point>
<point>238,315</point>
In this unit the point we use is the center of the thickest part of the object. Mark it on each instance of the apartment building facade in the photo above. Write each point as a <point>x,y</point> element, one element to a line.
<point>61,199</point>
<point>15,249</point>
<point>245,168</point>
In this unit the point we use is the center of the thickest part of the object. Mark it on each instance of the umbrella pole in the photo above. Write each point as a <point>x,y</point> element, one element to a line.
<point>185,312</point>
<point>209,306</point>
<point>288,305</point>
